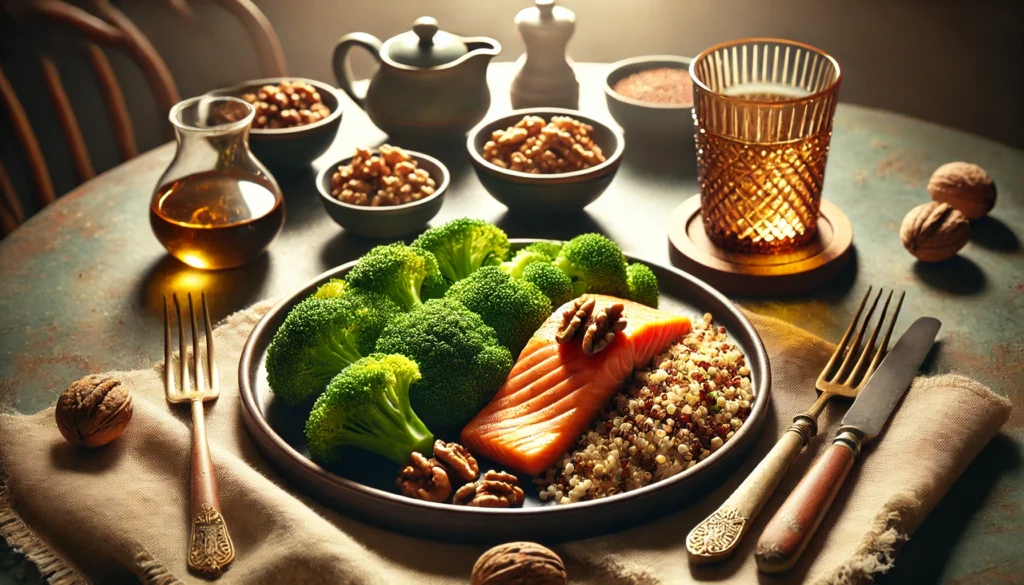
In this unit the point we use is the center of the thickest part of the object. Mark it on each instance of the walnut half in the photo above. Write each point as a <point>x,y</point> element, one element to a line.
<point>457,460</point>
<point>573,317</point>
<point>424,479</point>
<point>496,489</point>
<point>602,329</point>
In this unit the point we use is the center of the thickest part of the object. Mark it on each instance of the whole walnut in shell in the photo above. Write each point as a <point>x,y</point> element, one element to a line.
<point>965,186</point>
<point>934,232</point>
<point>519,563</point>
<point>94,411</point>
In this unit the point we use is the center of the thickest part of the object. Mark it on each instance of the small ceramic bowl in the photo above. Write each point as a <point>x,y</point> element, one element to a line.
<point>556,193</point>
<point>296,147</point>
<point>647,120</point>
<point>388,221</point>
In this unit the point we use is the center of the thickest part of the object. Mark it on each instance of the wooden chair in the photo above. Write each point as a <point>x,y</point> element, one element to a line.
<point>104,25</point>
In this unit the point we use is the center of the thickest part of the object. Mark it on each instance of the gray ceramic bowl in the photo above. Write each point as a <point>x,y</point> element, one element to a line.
<point>558,193</point>
<point>645,120</point>
<point>284,149</point>
<point>390,221</point>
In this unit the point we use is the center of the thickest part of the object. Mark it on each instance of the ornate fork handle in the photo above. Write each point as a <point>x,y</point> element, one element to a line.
<point>718,535</point>
<point>210,548</point>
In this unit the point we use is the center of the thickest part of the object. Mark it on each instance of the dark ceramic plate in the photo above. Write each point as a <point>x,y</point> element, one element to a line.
<point>362,486</point>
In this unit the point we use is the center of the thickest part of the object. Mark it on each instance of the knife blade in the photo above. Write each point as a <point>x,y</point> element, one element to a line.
<point>788,532</point>
<point>879,398</point>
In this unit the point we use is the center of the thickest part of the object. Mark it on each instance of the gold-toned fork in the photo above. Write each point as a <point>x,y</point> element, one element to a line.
<point>210,549</point>
<point>845,375</point>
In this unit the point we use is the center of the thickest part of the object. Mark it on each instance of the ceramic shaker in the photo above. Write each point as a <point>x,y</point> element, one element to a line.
<point>544,73</point>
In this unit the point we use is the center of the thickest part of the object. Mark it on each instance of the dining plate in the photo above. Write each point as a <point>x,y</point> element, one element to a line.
<point>362,485</point>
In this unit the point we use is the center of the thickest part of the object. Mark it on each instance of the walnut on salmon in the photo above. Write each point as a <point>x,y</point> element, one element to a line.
<point>555,390</point>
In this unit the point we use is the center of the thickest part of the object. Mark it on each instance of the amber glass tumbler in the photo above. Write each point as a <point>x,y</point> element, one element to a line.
<point>762,113</point>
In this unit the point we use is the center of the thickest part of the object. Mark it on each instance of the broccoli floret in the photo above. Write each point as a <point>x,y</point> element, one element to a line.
<point>334,287</point>
<point>521,260</point>
<point>546,247</point>
<point>367,406</point>
<point>463,245</point>
<point>514,308</point>
<point>643,285</point>
<point>459,356</point>
<point>320,337</point>
<point>551,281</point>
<point>398,272</point>
<point>595,264</point>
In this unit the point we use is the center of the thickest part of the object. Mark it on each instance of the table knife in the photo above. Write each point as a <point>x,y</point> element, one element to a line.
<point>789,531</point>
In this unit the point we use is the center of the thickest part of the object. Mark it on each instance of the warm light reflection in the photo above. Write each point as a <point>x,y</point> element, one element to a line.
<point>194,260</point>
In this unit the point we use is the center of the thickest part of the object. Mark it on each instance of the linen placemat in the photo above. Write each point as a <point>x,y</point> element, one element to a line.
<point>120,513</point>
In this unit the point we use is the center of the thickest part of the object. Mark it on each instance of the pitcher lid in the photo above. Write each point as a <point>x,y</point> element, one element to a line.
<point>426,45</point>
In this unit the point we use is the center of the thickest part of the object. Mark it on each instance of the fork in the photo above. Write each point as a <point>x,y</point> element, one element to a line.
<point>210,548</point>
<point>718,535</point>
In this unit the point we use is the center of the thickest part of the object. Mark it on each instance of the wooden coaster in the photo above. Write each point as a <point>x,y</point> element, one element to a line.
<point>759,274</point>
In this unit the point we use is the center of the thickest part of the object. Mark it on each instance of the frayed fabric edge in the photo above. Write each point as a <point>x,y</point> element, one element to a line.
<point>153,572</point>
<point>877,552</point>
<point>22,539</point>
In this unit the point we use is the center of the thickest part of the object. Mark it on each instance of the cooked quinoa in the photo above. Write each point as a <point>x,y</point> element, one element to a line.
<point>682,408</point>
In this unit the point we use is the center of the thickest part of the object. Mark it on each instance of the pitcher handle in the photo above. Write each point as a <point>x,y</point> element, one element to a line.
<point>355,88</point>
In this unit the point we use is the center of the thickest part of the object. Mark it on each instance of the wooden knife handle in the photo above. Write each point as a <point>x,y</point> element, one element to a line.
<point>718,535</point>
<point>788,532</point>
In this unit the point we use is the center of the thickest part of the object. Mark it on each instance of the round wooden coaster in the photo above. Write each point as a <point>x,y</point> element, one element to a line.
<point>759,274</point>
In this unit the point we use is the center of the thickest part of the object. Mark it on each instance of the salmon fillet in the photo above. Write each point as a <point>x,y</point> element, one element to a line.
<point>555,390</point>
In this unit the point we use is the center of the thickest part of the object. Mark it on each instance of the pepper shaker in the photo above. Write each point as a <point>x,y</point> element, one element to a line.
<point>544,75</point>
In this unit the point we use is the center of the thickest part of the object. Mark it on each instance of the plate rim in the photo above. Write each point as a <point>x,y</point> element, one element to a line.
<point>255,421</point>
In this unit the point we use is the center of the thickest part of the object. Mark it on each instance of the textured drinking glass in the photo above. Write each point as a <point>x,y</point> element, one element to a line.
<point>763,113</point>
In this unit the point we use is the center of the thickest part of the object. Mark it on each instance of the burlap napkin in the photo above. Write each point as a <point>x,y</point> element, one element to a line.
<point>119,514</point>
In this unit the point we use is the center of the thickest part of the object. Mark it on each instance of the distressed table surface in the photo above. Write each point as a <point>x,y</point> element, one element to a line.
<point>81,286</point>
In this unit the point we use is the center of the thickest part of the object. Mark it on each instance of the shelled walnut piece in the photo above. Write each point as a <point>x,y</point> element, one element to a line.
<point>424,479</point>
<point>517,563</point>
<point>534,146</point>
<point>392,177</point>
<point>93,411</point>
<point>496,489</point>
<point>287,104</point>
<point>457,461</point>
<point>597,328</point>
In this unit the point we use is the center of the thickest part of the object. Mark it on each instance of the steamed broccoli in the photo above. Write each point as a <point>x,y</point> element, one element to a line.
<point>334,287</point>
<point>463,245</point>
<point>367,406</point>
<point>595,264</point>
<point>551,281</point>
<point>521,260</point>
<point>320,337</point>
<point>459,356</point>
<point>547,247</point>
<point>643,285</point>
<point>400,272</point>
<point>514,308</point>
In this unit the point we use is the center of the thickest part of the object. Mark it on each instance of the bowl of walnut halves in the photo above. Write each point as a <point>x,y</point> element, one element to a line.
<point>383,193</point>
<point>296,119</point>
<point>545,160</point>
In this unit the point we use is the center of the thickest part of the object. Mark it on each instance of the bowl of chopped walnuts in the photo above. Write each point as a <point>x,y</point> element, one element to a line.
<point>384,193</point>
<point>296,119</point>
<point>545,160</point>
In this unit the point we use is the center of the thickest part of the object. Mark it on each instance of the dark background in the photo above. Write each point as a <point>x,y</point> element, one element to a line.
<point>958,63</point>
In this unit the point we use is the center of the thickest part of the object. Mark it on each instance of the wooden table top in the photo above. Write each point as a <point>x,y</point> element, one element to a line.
<point>82,284</point>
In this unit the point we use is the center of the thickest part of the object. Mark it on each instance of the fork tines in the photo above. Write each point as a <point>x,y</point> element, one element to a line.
<point>185,393</point>
<point>860,357</point>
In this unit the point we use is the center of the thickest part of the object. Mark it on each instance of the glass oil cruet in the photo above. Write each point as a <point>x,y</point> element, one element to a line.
<point>216,206</point>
